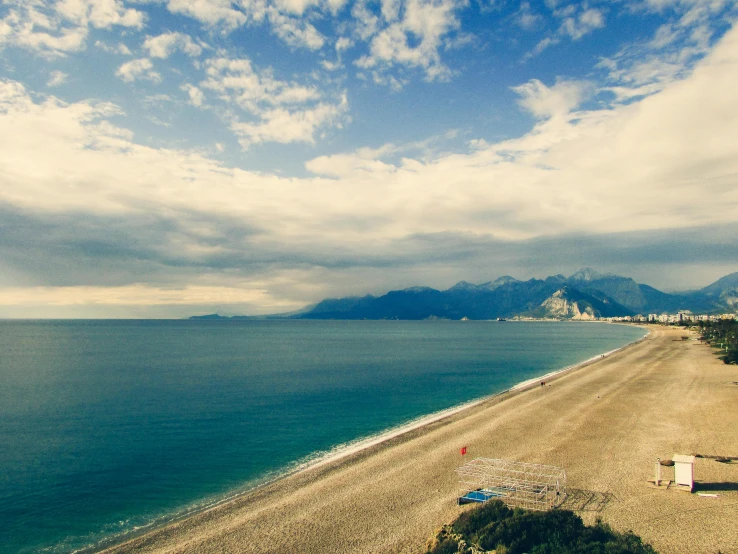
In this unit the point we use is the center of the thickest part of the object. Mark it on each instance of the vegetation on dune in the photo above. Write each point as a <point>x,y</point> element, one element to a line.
<point>493,527</point>
<point>723,335</point>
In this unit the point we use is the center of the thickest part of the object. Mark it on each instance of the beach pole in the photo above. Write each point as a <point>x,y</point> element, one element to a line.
<point>657,478</point>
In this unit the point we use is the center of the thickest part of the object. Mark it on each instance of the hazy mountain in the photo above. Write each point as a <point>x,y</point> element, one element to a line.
<point>462,300</point>
<point>504,280</point>
<point>623,290</point>
<point>587,274</point>
<point>339,305</point>
<point>723,292</point>
<point>464,286</point>
<point>586,293</point>
<point>410,303</point>
<point>728,284</point>
<point>638,298</point>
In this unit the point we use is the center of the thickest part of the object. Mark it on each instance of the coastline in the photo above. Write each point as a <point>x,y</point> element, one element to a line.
<point>345,452</point>
<point>605,423</point>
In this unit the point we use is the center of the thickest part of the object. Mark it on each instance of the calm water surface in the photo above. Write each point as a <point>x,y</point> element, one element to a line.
<point>107,426</point>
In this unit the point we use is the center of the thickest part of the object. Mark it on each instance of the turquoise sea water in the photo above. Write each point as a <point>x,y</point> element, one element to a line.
<point>108,426</point>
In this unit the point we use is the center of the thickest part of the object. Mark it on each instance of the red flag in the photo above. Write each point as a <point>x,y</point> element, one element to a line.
<point>463,451</point>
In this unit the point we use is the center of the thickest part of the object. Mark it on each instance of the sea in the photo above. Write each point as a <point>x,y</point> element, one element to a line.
<point>112,427</point>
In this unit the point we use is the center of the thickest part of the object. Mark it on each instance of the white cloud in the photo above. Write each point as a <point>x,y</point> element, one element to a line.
<point>141,68</point>
<point>157,99</point>
<point>651,69</point>
<point>56,78</point>
<point>583,24</point>
<point>334,6</point>
<point>427,22</point>
<point>238,81</point>
<point>119,48</point>
<point>282,111</point>
<point>644,68</point>
<point>31,30</point>
<point>295,32</point>
<point>627,93</point>
<point>101,14</point>
<point>56,28</point>
<point>527,18</point>
<point>691,12</point>
<point>543,44</point>
<point>391,10</point>
<point>343,44</point>
<point>210,12</point>
<point>366,160</point>
<point>163,45</point>
<point>558,100</point>
<point>283,125</point>
<point>287,18</point>
<point>196,96</point>
<point>665,35</point>
<point>330,66</point>
<point>577,21</point>
<point>296,7</point>
<point>367,24</point>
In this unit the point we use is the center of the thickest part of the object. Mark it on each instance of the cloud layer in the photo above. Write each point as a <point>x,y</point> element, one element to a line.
<point>634,165</point>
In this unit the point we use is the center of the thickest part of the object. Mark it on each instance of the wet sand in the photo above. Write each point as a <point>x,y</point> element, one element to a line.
<point>605,423</point>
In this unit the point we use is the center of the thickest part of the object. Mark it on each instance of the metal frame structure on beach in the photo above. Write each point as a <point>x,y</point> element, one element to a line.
<point>517,484</point>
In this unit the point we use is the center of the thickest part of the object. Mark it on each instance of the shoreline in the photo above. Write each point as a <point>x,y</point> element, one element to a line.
<point>605,423</point>
<point>343,453</point>
<point>354,447</point>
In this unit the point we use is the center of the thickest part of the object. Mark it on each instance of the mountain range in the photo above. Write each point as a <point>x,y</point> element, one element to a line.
<point>584,295</point>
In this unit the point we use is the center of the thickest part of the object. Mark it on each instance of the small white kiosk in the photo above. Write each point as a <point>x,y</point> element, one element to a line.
<point>684,471</point>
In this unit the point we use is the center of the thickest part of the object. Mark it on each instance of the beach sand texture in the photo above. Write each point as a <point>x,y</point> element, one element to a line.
<point>605,423</point>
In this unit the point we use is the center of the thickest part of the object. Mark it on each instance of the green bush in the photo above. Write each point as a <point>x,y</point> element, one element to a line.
<point>494,526</point>
<point>469,523</point>
<point>722,335</point>
<point>446,546</point>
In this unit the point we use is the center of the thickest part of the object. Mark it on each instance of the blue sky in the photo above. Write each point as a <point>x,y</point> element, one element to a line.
<point>168,157</point>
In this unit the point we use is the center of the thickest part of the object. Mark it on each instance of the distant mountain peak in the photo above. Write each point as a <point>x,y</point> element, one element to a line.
<point>463,285</point>
<point>725,290</point>
<point>728,282</point>
<point>504,280</point>
<point>588,274</point>
<point>418,289</point>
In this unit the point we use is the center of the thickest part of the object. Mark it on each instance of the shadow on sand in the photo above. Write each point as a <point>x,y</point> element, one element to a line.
<point>714,487</point>
<point>582,500</point>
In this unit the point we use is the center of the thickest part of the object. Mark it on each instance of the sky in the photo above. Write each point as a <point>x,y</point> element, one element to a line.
<point>166,158</point>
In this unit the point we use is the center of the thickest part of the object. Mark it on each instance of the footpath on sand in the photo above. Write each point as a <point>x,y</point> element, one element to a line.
<point>605,423</point>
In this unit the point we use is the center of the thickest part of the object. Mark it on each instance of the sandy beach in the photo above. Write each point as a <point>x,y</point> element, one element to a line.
<point>605,423</point>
